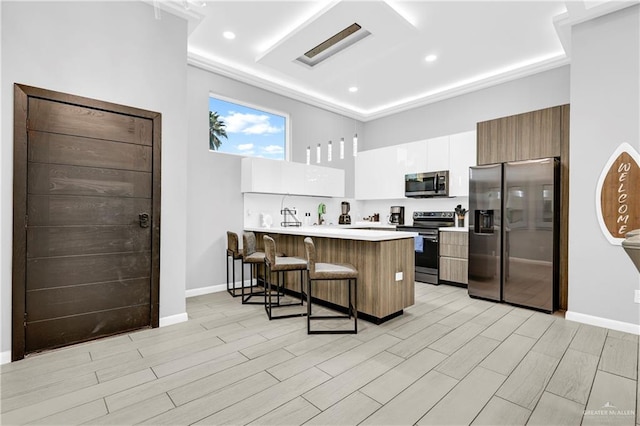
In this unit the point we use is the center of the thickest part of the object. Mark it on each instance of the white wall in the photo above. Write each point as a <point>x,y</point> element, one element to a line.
<point>460,114</point>
<point>605,111</point>
<point>214,201</point>
<point>116,52</point>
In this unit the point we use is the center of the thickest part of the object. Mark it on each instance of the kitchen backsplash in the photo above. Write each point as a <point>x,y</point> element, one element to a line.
<point>258,206</point>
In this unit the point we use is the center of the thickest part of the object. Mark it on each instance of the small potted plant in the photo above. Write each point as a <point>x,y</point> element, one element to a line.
<point>460,212</point>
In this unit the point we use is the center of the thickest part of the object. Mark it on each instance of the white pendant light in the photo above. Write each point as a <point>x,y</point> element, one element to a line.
<point>308,155</point>
<point>355,145</point>
<point>318,154</point>
<point>342,148</point>
<point>329,151</point>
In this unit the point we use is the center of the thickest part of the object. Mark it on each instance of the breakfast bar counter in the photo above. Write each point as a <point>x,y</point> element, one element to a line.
<point>384,259</point>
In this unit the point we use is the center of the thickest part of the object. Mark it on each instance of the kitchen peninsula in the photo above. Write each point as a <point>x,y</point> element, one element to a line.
<point>384,259</point>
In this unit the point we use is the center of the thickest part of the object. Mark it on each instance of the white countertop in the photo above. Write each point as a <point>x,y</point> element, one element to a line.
<point>374,225</point>
<point>343,232</point>
<point>454,229</point>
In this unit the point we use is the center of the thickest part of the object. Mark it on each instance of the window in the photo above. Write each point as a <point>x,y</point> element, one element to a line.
<point>242,130</point>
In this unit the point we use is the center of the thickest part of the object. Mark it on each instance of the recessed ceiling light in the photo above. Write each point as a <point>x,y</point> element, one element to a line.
<point>430,58</point>
<point>353,89</point>
<point>228,35</point>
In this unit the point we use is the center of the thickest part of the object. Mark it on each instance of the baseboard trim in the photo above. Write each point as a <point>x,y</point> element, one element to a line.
<point>173,319</point>
<point>205,290</point>
<point>211,289</point>
<point>5,357</point>
<point>625,327</point>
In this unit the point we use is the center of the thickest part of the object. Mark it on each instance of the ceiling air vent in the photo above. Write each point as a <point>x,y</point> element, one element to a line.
<point>334,44</point>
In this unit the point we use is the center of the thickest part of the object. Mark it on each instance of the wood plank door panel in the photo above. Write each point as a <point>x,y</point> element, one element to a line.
<point>68,119</point>
<point>61,210</point>
<point>73,329</point>
<point>91,265</point>
<point>79,151</point>
<point>54,302</point>
<point>48,241</point>
<point>59,179</point>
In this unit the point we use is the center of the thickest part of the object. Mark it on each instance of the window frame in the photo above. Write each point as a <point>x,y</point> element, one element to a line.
<point>287,123</point>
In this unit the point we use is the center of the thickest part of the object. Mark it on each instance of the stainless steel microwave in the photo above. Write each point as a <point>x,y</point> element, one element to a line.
<point>428,184</point>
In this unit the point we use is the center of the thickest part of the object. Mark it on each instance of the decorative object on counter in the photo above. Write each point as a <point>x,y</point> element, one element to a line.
<point>376,217</point>
<point>460,212</point>
<point>396,216</point>
<point>344,218</point>
<point>267,220</point>
<point>342,272</point>
<point>322,209</point>
<point>290,218</point>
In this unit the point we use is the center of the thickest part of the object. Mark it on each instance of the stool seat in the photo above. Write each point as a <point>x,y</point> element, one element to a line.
<point>288,264</point>
<point>335,271</point>
<point>255,257</point>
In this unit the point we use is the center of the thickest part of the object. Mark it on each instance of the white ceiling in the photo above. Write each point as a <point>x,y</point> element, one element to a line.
<point>478,44</point>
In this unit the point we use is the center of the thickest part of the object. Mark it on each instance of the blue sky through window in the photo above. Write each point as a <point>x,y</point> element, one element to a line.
<point>250,131</point>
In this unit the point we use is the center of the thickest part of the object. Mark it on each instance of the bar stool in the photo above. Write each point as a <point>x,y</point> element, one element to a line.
<point>330,272</point>
<point>280,265</point>
<point>234,254</point>
<point>254,258</point>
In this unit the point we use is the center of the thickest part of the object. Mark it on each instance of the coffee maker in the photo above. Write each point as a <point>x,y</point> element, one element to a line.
<point>397,215</point>
<point>344,218</point>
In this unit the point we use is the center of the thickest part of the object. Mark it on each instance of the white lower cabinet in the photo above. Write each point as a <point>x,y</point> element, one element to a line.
<point>453,263</point>
<point>283,177</point>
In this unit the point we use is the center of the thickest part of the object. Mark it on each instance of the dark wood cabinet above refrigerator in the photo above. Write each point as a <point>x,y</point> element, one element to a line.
<point>536,134</point>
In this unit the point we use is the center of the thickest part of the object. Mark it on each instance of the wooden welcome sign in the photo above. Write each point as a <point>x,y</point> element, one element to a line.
<point>618,194</point>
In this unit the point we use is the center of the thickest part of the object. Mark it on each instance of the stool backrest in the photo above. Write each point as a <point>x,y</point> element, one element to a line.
<point>232,243</point>
<point>269,250</point>
<point>248,243</point>
<point>310,248</point>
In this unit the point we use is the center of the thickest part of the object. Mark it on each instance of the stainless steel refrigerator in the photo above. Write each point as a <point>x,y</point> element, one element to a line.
<point>513,233</point>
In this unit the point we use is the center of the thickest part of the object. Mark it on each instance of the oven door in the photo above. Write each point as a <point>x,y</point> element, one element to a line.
<point>427,258</point>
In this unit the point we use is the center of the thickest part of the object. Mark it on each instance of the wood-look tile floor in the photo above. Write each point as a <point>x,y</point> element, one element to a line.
<point>449,359</point>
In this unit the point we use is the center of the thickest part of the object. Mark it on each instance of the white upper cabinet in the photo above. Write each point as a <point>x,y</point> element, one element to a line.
<point>462,155</point>
<point>437,154</point>
<point>283,177</point>
<point>379,173</point>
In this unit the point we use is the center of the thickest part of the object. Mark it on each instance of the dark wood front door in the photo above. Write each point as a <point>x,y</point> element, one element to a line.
<point>86,219</point>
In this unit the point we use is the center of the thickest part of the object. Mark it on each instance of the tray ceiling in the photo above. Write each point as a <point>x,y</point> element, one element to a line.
<point>477,44</point>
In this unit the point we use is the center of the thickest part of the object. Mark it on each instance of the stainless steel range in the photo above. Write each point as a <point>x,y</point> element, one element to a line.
<point>426,224</point>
